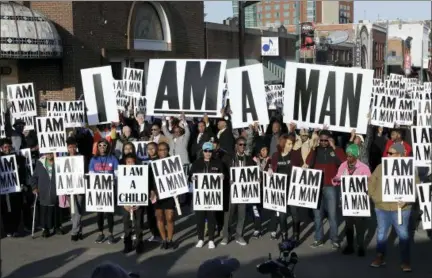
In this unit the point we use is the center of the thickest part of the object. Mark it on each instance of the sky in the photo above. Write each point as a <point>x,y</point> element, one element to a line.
<point>217,11</point>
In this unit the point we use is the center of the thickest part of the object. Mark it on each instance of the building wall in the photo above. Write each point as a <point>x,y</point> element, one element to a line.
<point>378,55</point>
<point>330,12</point>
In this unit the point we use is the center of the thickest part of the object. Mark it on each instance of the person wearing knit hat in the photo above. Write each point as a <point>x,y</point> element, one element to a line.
<point>353,150</point>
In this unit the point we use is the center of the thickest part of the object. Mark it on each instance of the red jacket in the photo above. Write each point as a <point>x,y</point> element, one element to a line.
<point>326,160</point>
<point>389,143</point>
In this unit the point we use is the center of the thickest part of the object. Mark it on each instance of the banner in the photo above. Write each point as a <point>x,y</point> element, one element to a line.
<point>9,178</point>
<point>73,112</point>
<point>132,79</point>
<point>304,189</point>
<point>245,187</point>
<point>275,192</point>
<point>132,186</point>
<point>208,192</point>
<point>317,95</point>
<point>23,104</point>
<point>398,177</point>
<point>69,173</point>
<point>355,198</point>
<point>141,149</point>
<point>192,87</point>
<point>51,133</point>
<point>169,177</point>
<point>425,203</point>
<point>100,193</point>
<point>421,140</point>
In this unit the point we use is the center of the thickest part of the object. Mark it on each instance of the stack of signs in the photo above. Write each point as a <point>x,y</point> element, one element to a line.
<point>139,104</point>
<point>73,112</point>
<point>246,85</point>
<point>132,189</point>
<point>355,199</point>
<point>132,79</point>
<point>395,85</point>
<point>245,187</point>
<point>398,177</point>
<point>100,193</point>
<point>274,95</point>
<point>23,103</point>
<point>121,98</point>
<point>304,189</point>
<point>317,95</point>
<point>51,133</point>
<point>424,112</point>
<point>377,89</point>
<point>425,202</point>
<point>169,177</point>
<point>70,179</point>
<point>26,153</point>
<point>9,179</point>
<point>207,193</point>
<point>275,192</point>
<point>141,149</point>
<point>421,137</point>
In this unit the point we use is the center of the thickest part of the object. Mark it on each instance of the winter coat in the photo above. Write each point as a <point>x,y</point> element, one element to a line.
<point>44,184</point>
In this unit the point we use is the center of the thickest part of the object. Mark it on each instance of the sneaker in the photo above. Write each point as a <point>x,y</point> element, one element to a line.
<point>111,239</point>
<point>241,241</point>
<point>74,237</point>
<point>316,244</point>
<point>224,241</point>
<point>9,235</point>
<point>361,252</point>
<point>171,245</point>
<point>211,244</point>
<point>406,268</point>
<point>335,245</point>
<point>100,238</point>
<point>256,235</point>
<point>378,262</point>
<point>273,236</point>
<point>348,250</point>
<point>151,238</point>
<point>155,239</point>
<point>122,236</point>
<point>59,231</point>
<point>200,244</point>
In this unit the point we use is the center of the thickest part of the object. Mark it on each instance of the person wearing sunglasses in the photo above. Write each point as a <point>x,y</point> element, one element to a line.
<point>104,162</point>
<point>387,215</point>
<point>156,135</point>
<point>206,164</point>
<point>353,167</point>
<point>327,158</point>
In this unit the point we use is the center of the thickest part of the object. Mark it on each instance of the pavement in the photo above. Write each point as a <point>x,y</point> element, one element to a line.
<point>58,256</point>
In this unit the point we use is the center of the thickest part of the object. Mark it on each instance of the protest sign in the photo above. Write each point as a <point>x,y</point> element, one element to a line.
<point>424,113</point>
<point>141,149</point>
<point>424,193</point>
<point>192,87</point>
<point>317,95</point>
<point>398,176</point>
<point>2,125</point>
<point>9,178</point>
<point>22,100</point>
<point>274,96</point>
<point>394,87</point>
<point>245,187</point>
<point>139,104</point>
<point>383,110</point>
<point>132,186</point>
<point>26,153</point>
<point>304,188</point>
<point>421,140</point>
<point>73,112</point>
<point>132,79</point>
<point>100,193</point>
<point>99,95</point>
<point>246,85</point>
<point>355,198</point>
<point>208,192</point>
<point>275,192</point>
<point>121,98</point>
<point>169,177</point>
<point>51,134</point>
<point>70,177</point>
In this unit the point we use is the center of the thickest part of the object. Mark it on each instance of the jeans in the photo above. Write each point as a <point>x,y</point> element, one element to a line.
<point>76,216</point>
<point>100,221</point>
<point>385,220</point>
<point>329,202</point>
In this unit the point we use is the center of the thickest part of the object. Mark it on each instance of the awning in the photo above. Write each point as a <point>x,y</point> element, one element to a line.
<point>26,34</point>
<point>269,77</point>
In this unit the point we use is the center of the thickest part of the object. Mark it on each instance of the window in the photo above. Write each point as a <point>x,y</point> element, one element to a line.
<point>277,23</point>
<point>393,53</point>
<point>117,70</point>
<point>259,8</point>
<point>277,7</point>
<point>259,16</point>
<point>268,15</point>
<point>267,8</point>
<point>348,8</point>
<point>287,22</point>
<point>277,14</point>
<point>286,14</point>
<point>286,6</point>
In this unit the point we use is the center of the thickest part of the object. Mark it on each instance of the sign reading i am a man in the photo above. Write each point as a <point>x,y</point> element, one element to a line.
<point>245,188</point>
<point>51,133</point>
<point>208,192</point>
<point>100,193</point>
<point>70,177</point>
<point>398,177</point>
<point>355,199</point>
<point>304,187</point>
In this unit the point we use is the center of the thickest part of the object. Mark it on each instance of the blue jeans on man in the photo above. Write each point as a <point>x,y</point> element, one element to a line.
<point>329,203</point>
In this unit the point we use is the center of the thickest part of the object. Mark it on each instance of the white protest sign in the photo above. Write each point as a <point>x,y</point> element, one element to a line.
<point>100,193</point>
<point>274,95</point>
<point>317,95</point>
<point>133,81</point>
<point>425,203</point>
<point>121,98</point>
<point>424,113</point>
<point>355,199</point>
<point>22,100</point>
<point>247,93</point>
<point>26,153</point>
<point>208,192</point>
<point>394,87</point>
<point>169,177</point>
<point>51,133</point>
<point>192,87</point>
<point>132,188</point>
<point>141,149</point>
<point>304,189</point>
<point>9,178</point>
<point>73,112</point>
<point>404,112</point>
<point>383,110</point>
<point>2,125</point>
<point>275,192</point>
<point>69,173</point>
<point>421,137</point>
<point>245,187</point>
<point>99,95</point>
<point>398,178</point>
<point>139,104</point>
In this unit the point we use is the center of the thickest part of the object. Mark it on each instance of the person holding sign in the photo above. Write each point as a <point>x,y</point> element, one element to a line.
<point>104,162</point>
<point>387,214</point>
<point>396,137</point>
<point>151,217</point>
<point>206,165</point>
<point>353,167</point>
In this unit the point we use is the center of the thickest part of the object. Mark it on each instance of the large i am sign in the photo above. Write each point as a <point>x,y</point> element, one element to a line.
<point>51,133</point>
<point>23,103</point>
<point>70,177</point>
<point>192,87</point>
<point>317,95</point>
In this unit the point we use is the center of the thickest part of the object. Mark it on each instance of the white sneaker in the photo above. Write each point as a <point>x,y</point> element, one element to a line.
<point>151,238</point>
<point>200,244</point>
<point>122,236</point>
<point>133,237</point>
<point>211,245</point>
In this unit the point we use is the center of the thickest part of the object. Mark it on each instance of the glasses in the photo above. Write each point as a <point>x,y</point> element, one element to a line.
<point>391,153</point>
<point>241,145</point>
<point>324,141</point>
<point>103,145</point>
<point>207,151</point>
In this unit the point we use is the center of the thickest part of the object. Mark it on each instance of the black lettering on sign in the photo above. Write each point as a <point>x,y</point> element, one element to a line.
<point>306,94</point>
<point>141,149</point>
<point>175,181</point>
<point>405,104</point>
<point>248,103</point>
<point>211,183</point>
<point>20,91</point>
<point>167,89</point>
<point>424,119</point>
<point>307,177</point>
<point>403,186</point>
<point>8,164</point>
<point>357,202</point>
<point>329,99</point>
<point>171,165</point>
<point>104,198</point>
<point>308,194</point>
<point>351,97</point>
<point>249,174</point>
<point>250,191</point>
<point>25,105</point>
<point>278,182</point>
<point>212,198</point>
<point>99,97</point>
<point>133,198</point>
<point>103,182</point>
<point>383,101</point>
<point>8,178</point>
<point>133,171</point>
<point>55,140</point>
<point>132,74</point>
<point>277,198</point>
<point>426,213</point>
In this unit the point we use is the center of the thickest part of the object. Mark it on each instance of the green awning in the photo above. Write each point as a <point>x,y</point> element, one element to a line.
<point>269,77</point>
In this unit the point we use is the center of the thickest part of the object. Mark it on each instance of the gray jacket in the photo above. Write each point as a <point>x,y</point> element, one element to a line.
<point>179,146</point>
<point>44,184</point>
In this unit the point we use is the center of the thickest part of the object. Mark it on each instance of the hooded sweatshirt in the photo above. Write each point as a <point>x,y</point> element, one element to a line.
<point>106,164</point>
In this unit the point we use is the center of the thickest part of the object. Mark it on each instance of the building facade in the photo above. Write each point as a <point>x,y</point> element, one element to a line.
<point>250,14</point>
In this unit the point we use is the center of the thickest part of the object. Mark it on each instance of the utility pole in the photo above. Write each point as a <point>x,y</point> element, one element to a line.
<point>386,51</point>
<point>241,25</point>
<point>298,31</point>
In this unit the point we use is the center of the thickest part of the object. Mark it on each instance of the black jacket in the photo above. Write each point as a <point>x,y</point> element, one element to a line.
<point>45,185</point>
<point>215,166</point>
<point>195,148</point>
<point>21,164</point>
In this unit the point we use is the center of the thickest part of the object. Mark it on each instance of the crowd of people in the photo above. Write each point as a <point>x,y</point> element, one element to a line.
<point>213,146</point>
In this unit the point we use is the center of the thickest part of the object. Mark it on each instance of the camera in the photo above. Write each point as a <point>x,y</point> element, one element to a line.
<point>282,267</point>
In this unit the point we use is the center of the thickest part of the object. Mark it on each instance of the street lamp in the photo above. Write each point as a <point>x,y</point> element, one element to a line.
<point>241,25</point>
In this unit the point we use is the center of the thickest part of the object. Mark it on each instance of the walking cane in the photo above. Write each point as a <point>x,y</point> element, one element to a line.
<point>34,215</point>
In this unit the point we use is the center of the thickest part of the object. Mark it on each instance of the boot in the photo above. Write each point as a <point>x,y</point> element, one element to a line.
<point>139,246</point>
<point>128,245</point>
<point>349,249</point>
<point>296,232</point>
